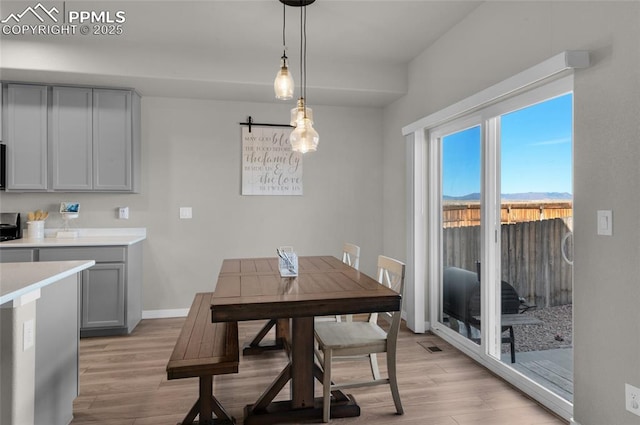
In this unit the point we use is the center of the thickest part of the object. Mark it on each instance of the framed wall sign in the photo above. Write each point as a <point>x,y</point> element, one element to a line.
<point>269,167</point>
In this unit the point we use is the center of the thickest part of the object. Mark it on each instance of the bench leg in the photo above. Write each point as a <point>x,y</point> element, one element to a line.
<point>223,417</point>
<point>188,420</point>
<point>206,394</point>
<point>206,405</point>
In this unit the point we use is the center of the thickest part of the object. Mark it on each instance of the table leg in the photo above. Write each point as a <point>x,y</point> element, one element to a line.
<point>303,372</point>
<point>302,356</point>
<point>281,342</point>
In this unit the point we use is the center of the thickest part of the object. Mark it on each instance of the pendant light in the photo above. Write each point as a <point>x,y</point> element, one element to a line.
<point>283,84</point>
<point>304,138</point>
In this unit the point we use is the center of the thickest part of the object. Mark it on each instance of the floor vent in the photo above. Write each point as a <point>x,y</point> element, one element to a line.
<point>430,348</point>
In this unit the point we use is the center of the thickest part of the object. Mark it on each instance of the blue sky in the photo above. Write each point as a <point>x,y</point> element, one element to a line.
<point>535,149</point>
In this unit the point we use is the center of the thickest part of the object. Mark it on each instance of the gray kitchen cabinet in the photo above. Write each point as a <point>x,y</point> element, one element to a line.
<point>91,143</point>
<point>111,291</point>
<point>103,289</point>
<point>71,138</point>
<point>25,134</point>
<point>112,140</point>
<point>17,255</point>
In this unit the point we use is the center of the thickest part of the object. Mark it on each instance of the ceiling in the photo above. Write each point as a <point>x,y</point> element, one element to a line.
<point>358,50</point>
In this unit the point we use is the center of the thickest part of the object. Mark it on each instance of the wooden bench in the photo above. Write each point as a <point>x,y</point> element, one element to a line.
<point>205,349</point>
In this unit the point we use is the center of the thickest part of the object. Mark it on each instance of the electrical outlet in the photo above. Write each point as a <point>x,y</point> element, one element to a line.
<point>123,213</point>
<point>28,334</point>
<point>632,399</point>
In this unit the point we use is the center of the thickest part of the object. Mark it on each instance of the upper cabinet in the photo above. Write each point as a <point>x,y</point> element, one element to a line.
<point>91,143</point>
<point>71,138</point>
<point>112,137</point>
<point>25,134</point>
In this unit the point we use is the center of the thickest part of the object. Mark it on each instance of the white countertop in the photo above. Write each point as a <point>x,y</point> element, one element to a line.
<point>86,237</point>
<point>18,279</point>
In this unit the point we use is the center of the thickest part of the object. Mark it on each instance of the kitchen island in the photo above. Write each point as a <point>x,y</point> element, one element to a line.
<point>39,341</point>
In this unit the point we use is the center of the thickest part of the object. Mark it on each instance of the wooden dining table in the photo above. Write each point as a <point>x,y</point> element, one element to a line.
<point>252,289</point>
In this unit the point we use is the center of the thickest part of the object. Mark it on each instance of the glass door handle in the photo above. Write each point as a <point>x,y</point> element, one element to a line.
<point>563,248</point>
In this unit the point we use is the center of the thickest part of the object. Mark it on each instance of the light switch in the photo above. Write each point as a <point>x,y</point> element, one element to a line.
<point>605,222</point>
<point>185,212</point>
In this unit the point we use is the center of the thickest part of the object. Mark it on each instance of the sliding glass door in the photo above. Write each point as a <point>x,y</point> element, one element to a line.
<point>501,243</point>
<point>460,210</point>
<point>536,212</point>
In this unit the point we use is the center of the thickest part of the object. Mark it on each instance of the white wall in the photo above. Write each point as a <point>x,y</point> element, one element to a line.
<point>496,41</point>
<point>191,157</point>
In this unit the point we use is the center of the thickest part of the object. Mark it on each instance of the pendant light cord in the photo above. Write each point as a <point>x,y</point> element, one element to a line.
<point>301,79</point>
<point>303,56</point>
<point>305,59</point>
<point>284,25</point>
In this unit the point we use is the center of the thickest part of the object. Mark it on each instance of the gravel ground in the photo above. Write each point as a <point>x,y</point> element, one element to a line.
<point>554,332</point>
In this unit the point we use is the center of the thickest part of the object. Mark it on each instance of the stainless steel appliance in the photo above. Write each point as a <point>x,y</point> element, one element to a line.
<point>10,226</point>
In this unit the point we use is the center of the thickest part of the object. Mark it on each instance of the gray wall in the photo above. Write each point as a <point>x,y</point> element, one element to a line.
<point>496,41</point>
<point>191,157</point>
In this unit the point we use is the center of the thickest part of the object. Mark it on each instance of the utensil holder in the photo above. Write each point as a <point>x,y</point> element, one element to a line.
<point>289,265</point>
<point>35,229</point>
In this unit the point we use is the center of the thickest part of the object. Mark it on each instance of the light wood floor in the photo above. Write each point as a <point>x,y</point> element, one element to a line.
<point>123,382</point>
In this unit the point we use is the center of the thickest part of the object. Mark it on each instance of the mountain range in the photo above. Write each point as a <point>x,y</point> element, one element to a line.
<point>528,196</point>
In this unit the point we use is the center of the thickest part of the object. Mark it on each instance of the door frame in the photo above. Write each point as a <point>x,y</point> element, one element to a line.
<point>424,228</point>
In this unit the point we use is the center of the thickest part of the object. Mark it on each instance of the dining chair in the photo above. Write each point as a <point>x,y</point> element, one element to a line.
<point>348,339</point>
<point>351,257</point>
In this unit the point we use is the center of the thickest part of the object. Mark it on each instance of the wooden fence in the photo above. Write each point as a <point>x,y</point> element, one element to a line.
<point>531,257</point>
<point>457,214</point>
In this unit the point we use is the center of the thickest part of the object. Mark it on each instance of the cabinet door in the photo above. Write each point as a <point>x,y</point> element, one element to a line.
<point>103,289</point>
<point>112,141</point>
<point>26,130</point>
<point>1,106</point>
<point>102,254</point>
<point>17,255</point>
<point>71,138</point>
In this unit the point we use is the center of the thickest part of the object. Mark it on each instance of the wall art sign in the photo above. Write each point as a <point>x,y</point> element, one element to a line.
<point>269,167</point>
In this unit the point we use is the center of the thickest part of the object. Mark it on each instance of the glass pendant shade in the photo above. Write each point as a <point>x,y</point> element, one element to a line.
<point>304,138</point>
<point>298,113</point>
<point>283,84</point>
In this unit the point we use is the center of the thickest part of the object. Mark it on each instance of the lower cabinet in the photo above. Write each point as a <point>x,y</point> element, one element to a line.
<point>103,296</point>
<point>110,291</point>
<point>17,255</point>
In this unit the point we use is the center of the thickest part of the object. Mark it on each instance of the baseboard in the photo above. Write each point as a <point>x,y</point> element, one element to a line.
<point>164,314</point>
<point>573,422</point>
